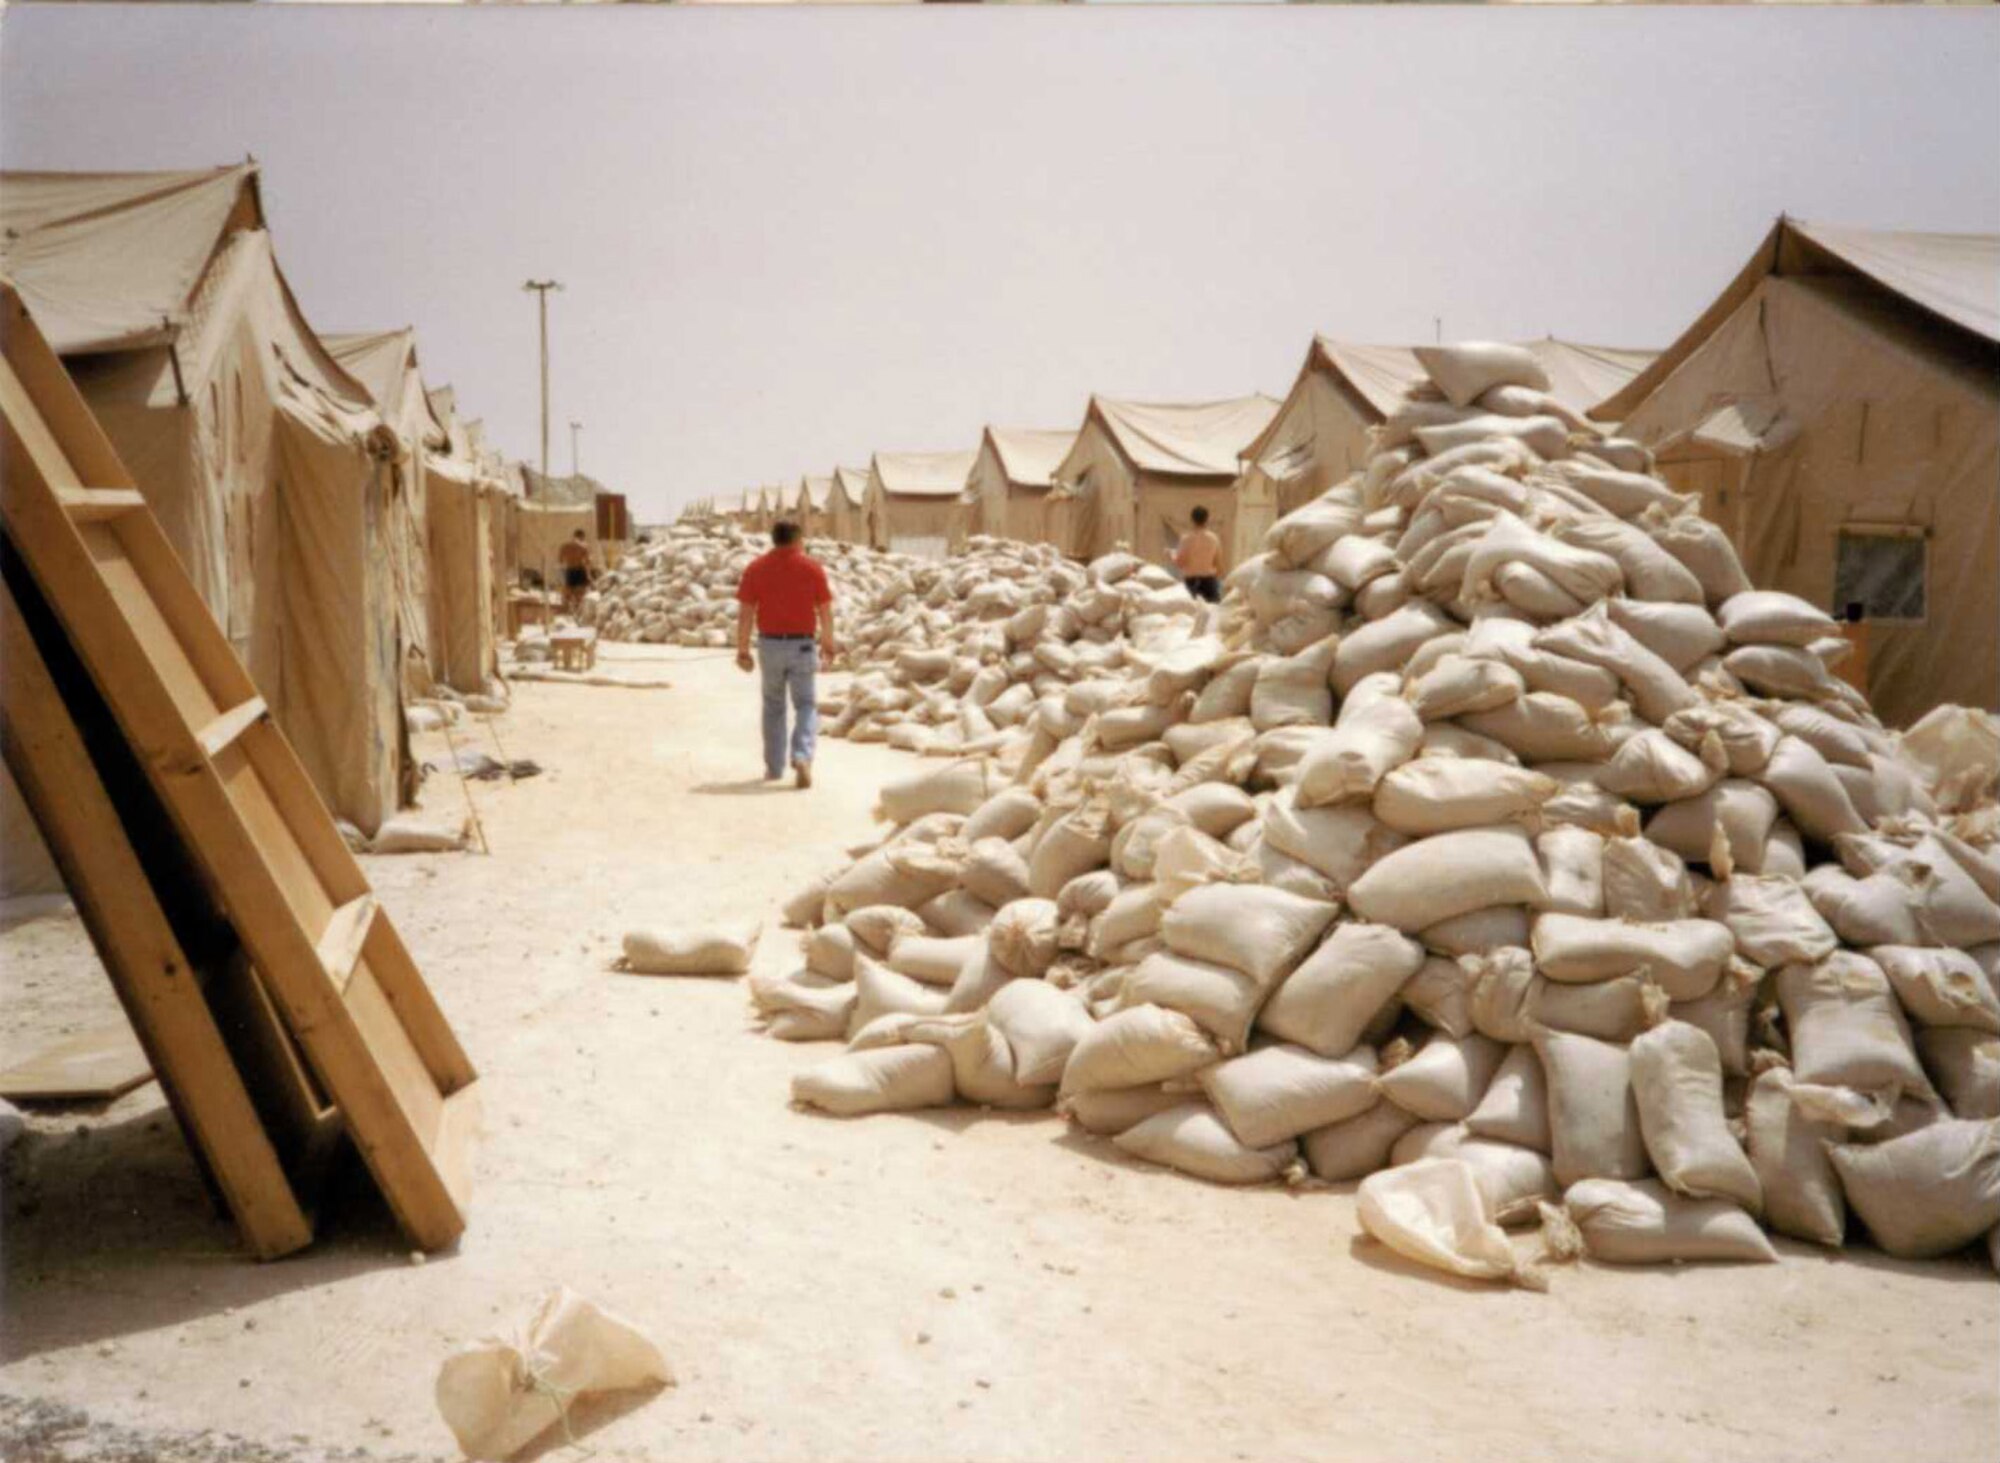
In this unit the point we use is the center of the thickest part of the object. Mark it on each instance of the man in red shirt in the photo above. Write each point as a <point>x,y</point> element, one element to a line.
<point>784,594</point>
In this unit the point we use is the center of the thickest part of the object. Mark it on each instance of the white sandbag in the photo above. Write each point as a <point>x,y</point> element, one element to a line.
<point>1442,794</point>
<point>1194,1140</point>
<point>806,909</point>
<point>1118,1109</point>
<point>830,952</point>
<point>902,875</point>
<point>1512,642</point>
<point>995,872</point>
<point>1371,738</point>
<point>1846,1027</point>
<point>982,1064</point>
<point>1543,727</point>
<point>1743,811</point>
<point>1042,1026</point>
<point>1007,814</point>
<point>1444,1081</point>
<point>1573,868</point>
<point>1074,844</point>
<point>1133,915</point>
<point>1807,790</point>
<point>1513,1182</point>
<point>1646,883</point>
<point>1583,574</point>
<point>928,958</point>
<point>1278,1092</point>
<point>957,913</point>
<point>1611,1010</point>
<point>1222,1000</point>
<point>1460,684</point>
<point>1338,842</point>
<point>1435,879</point>
<point>1544,436</point>
<point>1747,738</point>
<point>414,833</point>
<point>1686,957</point>
<point>1135,1047</point>
<point>1515,1108</point>
<point>500,1393</point>
<point>1871,911</point>
<point>1465,370</point>
<point>1772,920</point>
<point>1940,987</point>
<point>1646,1223</point>
<point>1946,902</point>
<point>1431,1212</point>
<point>883,1079</point>
<point>1657,689</point>
<point>1677,1083</point>
<point>1784,671</point>
<point>1654,579</point>
<point>1788,1152</point>
<point>1331,999</point>
<point>1956,749</point>
<point>880,991</point>
<point>1650,767</point>
<point>1928,1193</point>
<point>1386,644</point>
<point>719,949</point>
<point>1704,547</point>
<point>1295,691</point>
<point>877,927</point>
<point>1440,995</point>
<point>1771,617</point>
<point>1216,808</point>
<point>1593,1117</point>
<point>1260,931</point>
<point>1964,1066</point>
<point>955,787</point>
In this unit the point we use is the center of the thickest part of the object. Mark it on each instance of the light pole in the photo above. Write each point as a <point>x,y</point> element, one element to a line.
<point>541,287</point>
<point>574,469</point>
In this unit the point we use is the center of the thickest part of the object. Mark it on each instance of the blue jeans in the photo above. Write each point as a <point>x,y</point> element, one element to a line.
<point>788,666</point>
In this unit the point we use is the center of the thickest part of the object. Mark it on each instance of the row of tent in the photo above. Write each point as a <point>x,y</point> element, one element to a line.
<point>354,535</point>
<point>1836,409</point>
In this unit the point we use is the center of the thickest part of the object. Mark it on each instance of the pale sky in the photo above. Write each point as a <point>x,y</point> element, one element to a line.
<point>791,237</point>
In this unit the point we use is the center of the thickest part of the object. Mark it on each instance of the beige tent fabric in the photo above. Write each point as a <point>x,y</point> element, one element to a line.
<point>1011,480</point>
<point>1824,415</point>
<point>1112,496</point>
<point>849,512</point>
<point>916,503</point>
<point>248,440</point>
<point>1952,275</point>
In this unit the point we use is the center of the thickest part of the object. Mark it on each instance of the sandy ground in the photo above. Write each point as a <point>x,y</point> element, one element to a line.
<point>952,1285</point>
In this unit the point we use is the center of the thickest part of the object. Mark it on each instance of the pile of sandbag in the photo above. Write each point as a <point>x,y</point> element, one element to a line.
<point>1503,848</point>
<point>1008,647</point>
<point>680,588</point>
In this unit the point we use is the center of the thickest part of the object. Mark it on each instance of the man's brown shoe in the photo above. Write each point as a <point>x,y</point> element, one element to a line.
<point>804,772</point>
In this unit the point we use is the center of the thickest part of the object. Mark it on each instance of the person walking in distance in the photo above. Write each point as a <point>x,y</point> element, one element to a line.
<point>1198,556</point>
<point>574,557</point>
<point>784,595</point>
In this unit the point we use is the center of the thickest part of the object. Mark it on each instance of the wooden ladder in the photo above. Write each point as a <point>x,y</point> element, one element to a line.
<point>321,947</point>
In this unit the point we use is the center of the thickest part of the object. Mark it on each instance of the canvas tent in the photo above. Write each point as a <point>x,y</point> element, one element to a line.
<point>1138,469</point>
<point>848,514</point>
<point>263,458</point>
<point>916,502</point>
<point>463,502</point>
<point>1837,407</point>
<point>1320,435</point>
<point>812,508</point>
<point>1011,481</point>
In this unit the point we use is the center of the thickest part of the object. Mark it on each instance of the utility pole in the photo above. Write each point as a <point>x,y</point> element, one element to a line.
<point>541,287</point>
<point>574,469</point>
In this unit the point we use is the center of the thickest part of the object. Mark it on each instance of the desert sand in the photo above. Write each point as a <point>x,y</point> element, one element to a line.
<point>954,1285</point>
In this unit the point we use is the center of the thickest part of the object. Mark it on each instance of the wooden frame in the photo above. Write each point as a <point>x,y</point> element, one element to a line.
<point>330,961</point>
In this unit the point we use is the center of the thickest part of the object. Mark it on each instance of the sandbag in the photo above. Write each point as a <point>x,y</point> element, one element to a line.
<point>1772,921</point>
<point>1116,1110</point>
<point>884,1079</point>
<point>1465,370</point>
<point>1074,844</point>
<point>1260,931</point>
<point>928,958</point>
<point>1515,1108</point>
<point>1573,868</point>
<point>1338,842</point>
<point>1294,690</point>
<point>1443,794</point>
<point>1646,1223</point>
<point>1593,1116</point>
<point>880,991</point>
<point>1928,1193</point>
<point>692,949</point>
<point>1431,1212</point>
<point>955,787</point>
<point>1645,883</point>
<point>1964,1066</point>
<point>1022,937</point>
<point>1279,1092</point>
<point>1846,1027</point>
<point>1513,1182</point>
<point>1686,957</point>
<point>1451,874</point>
<point>1373,736</point>
<point>1771,617</point>
<point>1788,1152</point>
<point>1444,1081</point>
<point>1134,1047</point>
<point>1440,995</point>
<point>1330,999</point>
<point>995,872</point>
<point>1743,811</point>
<point>1344,1151</point>
<point>1222,1000</point>
<point>1194,1140</point>
<point>1677,1083</point>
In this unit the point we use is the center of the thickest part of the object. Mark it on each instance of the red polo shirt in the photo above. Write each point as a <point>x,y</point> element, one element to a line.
<point>787,586</point>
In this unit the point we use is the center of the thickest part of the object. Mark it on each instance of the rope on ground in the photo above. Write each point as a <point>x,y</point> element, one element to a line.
<point>465,785</point>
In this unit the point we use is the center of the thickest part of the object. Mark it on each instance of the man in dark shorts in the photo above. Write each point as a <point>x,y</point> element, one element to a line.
<point>785,596</point>
<point>1199,558</point>
<point>574,556</point>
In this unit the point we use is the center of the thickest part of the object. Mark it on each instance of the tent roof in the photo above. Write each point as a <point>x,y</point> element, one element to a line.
<point>575,489</point>
<point>923,474</point>
<point>853,483</point>
<point>1029,456</point>
<point>1185,439</point>
<point>111,261</point>
<point>818,491</point>
<point>1580,376</point>
<point>385,361</point>
<point>1953,278</point>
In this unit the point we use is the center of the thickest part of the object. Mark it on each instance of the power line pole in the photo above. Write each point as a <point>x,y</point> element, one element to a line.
<point>541,287</point>
<point>574,469</point>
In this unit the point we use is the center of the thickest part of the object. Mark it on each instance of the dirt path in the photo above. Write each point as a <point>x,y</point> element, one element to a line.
<point>946,1286</point>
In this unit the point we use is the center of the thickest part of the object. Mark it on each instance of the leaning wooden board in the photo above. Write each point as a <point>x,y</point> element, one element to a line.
<point>331,961</point>
<point>92,1066</point>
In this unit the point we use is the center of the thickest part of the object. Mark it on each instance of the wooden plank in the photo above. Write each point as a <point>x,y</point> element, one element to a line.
<point>231,724</point>
<point>94,505</point>
<point>39,451</point>
<point>92,1066</point>
<point>149,969</point>
<point>340,943</point>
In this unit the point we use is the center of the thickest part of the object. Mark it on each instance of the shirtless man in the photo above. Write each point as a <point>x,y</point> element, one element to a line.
<point>574,556</point>
<point>1199,558</point>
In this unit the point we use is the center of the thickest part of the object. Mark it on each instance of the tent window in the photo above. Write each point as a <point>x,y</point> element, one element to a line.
<point>1886,573</point>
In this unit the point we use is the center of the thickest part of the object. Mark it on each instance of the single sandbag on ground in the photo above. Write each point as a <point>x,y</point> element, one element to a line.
<point>500,1393</point>
<point>1431,1212</point>
<point>884,1079</point>
<point>1788,1151</point>
<point>413,833</point>
<point>1646,1223</point>
<point>1513,1182</point>
<point>1928,1193</point>
<point>1593,1117</point>
<point>1677,1083</point>
<point>692,949</point>
<point>1191,1138</point>
<point>1278,1092</point>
